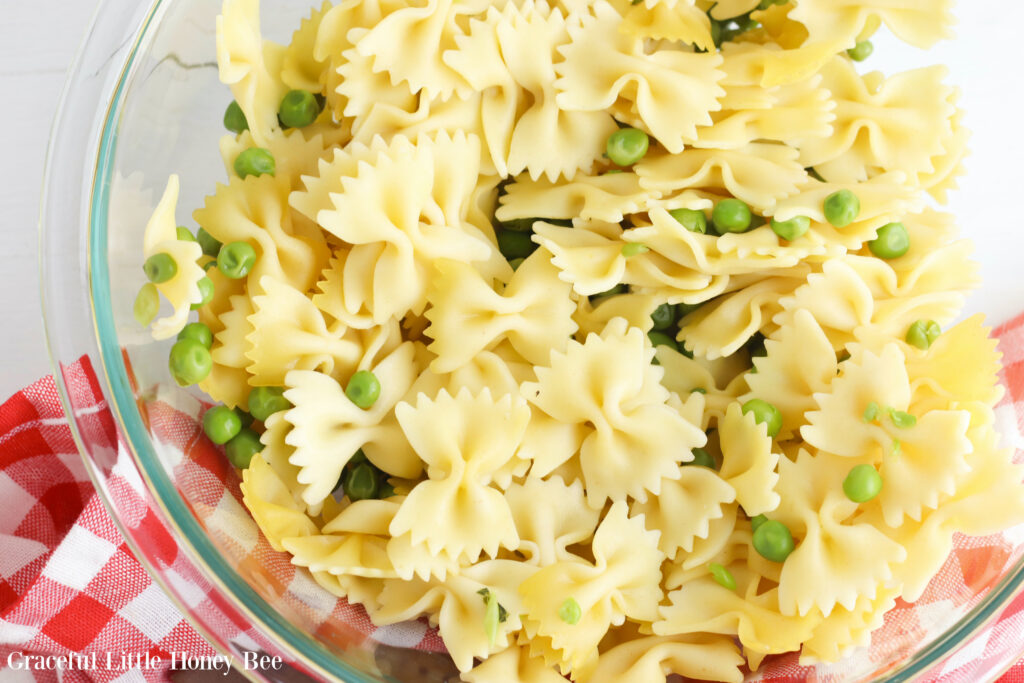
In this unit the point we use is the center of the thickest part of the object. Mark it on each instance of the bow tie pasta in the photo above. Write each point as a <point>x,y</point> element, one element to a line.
<point>618,340</point>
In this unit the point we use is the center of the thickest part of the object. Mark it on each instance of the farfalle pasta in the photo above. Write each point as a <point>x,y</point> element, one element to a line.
<point>618,340</point>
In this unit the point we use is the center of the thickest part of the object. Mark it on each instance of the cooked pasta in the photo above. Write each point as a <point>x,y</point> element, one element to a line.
<point>616,339</point>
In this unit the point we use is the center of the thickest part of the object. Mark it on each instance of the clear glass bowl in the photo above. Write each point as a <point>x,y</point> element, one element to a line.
<point>143,101</point>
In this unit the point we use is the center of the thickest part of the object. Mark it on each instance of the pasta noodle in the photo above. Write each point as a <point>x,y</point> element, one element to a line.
<point>618,340</point>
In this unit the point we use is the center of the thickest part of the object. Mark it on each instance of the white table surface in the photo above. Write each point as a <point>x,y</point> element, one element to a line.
<point>38,40</point>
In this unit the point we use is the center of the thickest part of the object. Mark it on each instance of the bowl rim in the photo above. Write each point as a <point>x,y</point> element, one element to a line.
<point>184,526</point>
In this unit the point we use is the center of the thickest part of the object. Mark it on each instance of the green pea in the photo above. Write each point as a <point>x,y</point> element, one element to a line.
<point>631,249</point>
<point>793,228</point>
<point>901,419</point>
<point>221,424</point>
<point>841,208</point>
<point>236,259</point>
<point>516,262</point>
<point>765,413</point>
<point>617,289</point>
<point>197,331</point>
<point>205,285</point>
<point>664,316</point>
<point>765,4</point>
<point>662,339</point>
<point>722,576</point>
<point>627,146</point>
<point>862,484</point>
<point>519,224</point>
<point>147,304</point>
<point>234,118</point>
<point>265,401</point>
<point>184,234</point>
<point>757,521</point>
<point>160,267</point>
<point>190,362</point>
<point>363,389</point>
<point>361,483</point>
<point>209,244</point>
<point>731,215</point>
<point>861,51</point>
<point>716,32</point>
<point>255,161</point>
<point>513,244</point>
<point>923,334</point>
<point>570,612</point>
<point>298,109</point>
<point>891,242</point>
<point>358,457</point>
<point>691,219</point>
<point>241,449</point>
<point>701,458</point>
<point>773,541</point>
<point>699,390</point>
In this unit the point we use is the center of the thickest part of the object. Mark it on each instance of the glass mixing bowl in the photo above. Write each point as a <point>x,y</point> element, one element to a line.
<point>143,101</point>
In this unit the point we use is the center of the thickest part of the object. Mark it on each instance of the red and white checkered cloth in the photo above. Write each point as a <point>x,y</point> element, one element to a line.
<point>70,585</point>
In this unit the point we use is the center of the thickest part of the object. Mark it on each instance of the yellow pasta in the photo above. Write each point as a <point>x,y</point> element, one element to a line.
<point>561,328</point>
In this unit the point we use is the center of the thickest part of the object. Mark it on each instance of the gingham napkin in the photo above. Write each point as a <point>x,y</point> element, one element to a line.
<point>69,584</point>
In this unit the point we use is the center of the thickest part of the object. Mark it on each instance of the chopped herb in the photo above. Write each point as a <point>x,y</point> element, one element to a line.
<point>502,612</point>
<point>871,412</point>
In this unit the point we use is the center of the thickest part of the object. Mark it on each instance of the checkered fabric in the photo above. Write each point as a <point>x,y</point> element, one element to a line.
<point>70,586</point>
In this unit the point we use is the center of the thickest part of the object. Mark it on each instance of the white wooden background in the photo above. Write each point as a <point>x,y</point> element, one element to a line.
<point>39,37</point>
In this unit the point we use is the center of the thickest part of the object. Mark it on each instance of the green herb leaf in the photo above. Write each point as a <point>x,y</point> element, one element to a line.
<point>570,612</point>
<point>871,412</point>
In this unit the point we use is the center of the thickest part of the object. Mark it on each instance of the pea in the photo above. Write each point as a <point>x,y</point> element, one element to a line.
<point>793,228</point>
<point>722,576</point>
<point>627,146</point>
<point>265,401</point>
<point>147,304</point>
<point>160,268</point>
<point>184,234</point>
<point>209,244</point>
<point>361,483</point>
<point>664,316</point>
<point>891,242</point>
<point>221,424</point>
<point>861,51</point>
<point>197,331</point>
<point>234,118</point>
<point>206,289</point>
<point>298,109</point>
<point>773,541</point>
<point>701,458</point>
<point>236,259</point>
<point>757,521</point>
<point>716,32</point>
<point>631,249</point>
<point>514,244</point>
<point>765,413</point>
<point>691,219</point>
<point>842,208</point>
<point>519,224</point>
<point>862,483</point>
<point>241,449</point>
<point>570,612</point>
<point>189,362</point>
<point>516,262</point>
<point>363,389</point>
<point>386,490</point>
<point>662,339</point>
<point>731,215</point>
<point>255,161</point>
<point>923,334</point>
<point>765,4</point>
<point>901,419</point>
